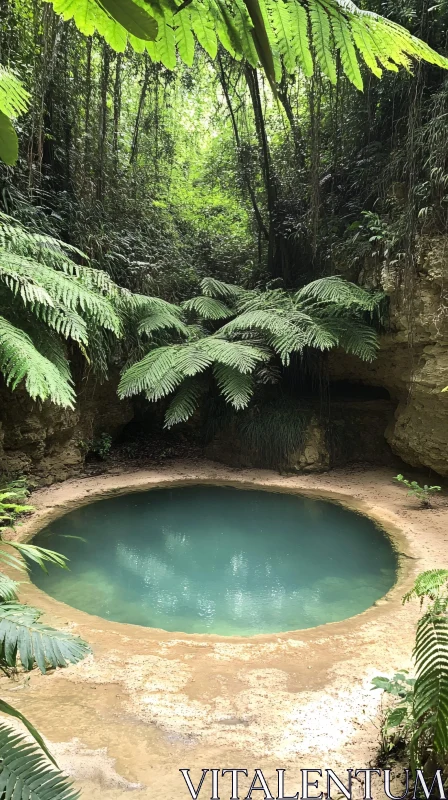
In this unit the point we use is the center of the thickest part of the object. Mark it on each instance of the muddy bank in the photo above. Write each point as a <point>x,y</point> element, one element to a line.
<point>149,702</point>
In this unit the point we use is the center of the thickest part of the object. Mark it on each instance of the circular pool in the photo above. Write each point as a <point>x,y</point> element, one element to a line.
<point>214,559</point>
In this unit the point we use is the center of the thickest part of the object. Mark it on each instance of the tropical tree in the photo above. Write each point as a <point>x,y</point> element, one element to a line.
<point>265,328</point>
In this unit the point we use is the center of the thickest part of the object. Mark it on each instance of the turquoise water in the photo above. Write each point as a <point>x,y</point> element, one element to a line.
<point>207,559</point>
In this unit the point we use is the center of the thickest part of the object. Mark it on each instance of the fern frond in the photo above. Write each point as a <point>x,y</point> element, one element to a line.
<point>144,375</point>
<point>165,385</point>
<point>21,361</point>
<point>320,27</point>
<point>428,584</point>
<point>184,36</point>
<point>212,287</point>
<point>239,355</point>
<point>184,403</point>
<point>163,320</point>
<point>300,39</point>
<point>431,686</point>
<point>237,388</point>
<point>340,292</point>
<point>207,307</point>
<point>344,43</point>
<point>280,20</point>
<point>14,98</point>
<point>203,28</point>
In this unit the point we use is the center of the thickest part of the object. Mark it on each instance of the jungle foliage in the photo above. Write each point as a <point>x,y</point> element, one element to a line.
<point>28,769</point>
<point>418,720</point>
<point>264,328</point>
<point>189,179</point>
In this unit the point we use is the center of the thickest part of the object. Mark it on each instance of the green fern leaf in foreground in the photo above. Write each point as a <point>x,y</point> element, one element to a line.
<point>25,773</point>
<point>256,30</point>
<point>431,686</point>
<point>428,584</point>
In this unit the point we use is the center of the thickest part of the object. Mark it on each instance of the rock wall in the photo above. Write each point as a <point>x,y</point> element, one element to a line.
<point>412,425</point>
<point>50,443</point>
<point>413,361</point>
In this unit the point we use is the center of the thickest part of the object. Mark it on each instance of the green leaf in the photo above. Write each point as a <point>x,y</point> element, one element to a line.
<point>204,29</point>
<point>25,774</point>
<point>320,26</point>
<point>431,686</point>
<point>133,18</point>
<point>21,635</point>
<point>5,708</point>
<point>9,143</point>
<point>300,39</point>
<point>347,51</point>
<point>184,36</point>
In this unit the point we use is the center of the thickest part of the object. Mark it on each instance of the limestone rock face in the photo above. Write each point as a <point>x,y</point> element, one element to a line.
<point>413,362</point>
<point>49,442</point>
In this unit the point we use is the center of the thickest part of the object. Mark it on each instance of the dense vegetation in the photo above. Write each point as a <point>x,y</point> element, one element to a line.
<point>191,191</point>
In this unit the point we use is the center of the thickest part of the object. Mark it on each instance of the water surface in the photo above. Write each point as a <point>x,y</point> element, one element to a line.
<point>207,559</point>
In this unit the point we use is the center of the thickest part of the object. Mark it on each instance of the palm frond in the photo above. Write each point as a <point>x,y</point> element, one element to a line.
<point>25,773</point>
<point>8,588</point>
<point>23,636</point>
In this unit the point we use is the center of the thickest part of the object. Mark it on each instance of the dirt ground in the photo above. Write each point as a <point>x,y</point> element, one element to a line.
<point>148,702</point>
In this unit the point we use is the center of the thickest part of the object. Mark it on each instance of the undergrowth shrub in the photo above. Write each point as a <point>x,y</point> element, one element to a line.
<point>422,493</point>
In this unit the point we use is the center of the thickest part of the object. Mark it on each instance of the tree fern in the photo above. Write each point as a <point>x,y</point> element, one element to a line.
<point>267,328</point>
<point>428,584</point>
<point>46,298</point>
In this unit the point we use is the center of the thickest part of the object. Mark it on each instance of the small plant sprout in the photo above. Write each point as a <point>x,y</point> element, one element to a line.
<point>422,493</point>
